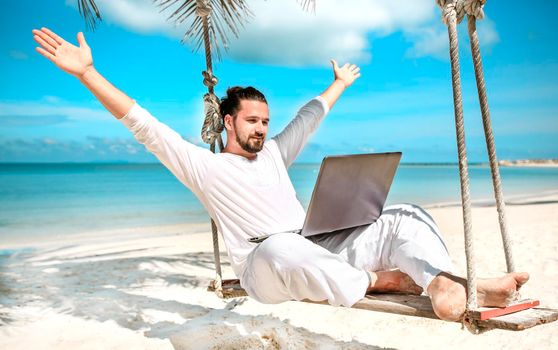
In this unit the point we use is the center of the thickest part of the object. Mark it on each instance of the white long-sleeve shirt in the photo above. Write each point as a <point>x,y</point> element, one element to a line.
<point>246,198</point>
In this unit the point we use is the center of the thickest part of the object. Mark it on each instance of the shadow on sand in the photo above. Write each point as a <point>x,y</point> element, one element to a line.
<point>113,288</point>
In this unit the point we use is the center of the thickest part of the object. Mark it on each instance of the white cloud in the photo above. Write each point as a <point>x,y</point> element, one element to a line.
<point>51,108</point>
<point>18,55</point>
<point>139,16</point>
<point>429,41</point>
<point>486,30</point>
<point>49,141</point>
<point>281,33</point>
<point>90,149</point>
<point>433,40</point>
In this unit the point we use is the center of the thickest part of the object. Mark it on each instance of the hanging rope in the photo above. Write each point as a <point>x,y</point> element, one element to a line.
<point>453,12</point>
<point>212,126</point>
<point>474,12</point>
<point>213,123</point>
<point>450,11</point>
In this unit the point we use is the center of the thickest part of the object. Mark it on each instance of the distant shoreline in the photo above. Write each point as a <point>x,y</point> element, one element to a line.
<point>545,197</point>
<point>542,163</point>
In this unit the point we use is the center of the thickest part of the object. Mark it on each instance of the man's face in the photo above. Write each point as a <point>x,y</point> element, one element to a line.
<point>251,124</point>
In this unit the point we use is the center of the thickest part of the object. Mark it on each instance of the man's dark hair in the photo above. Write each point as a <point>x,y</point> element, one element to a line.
<point>230,104</point>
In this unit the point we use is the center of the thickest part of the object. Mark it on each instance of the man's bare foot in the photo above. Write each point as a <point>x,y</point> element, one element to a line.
<point>500,291</point>
<point>393,281</point>
<point>449,293</point>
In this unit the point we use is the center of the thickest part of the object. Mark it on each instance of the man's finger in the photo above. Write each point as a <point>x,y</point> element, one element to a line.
<point>355,70</point>
<point>46,38</point>
<point>345,65</point>
<point>45,53</point>
<point>53,35</point>
<point>44,44</point>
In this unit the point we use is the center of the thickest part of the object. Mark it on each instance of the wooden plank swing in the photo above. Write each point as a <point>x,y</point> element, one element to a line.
<point>516,317</point>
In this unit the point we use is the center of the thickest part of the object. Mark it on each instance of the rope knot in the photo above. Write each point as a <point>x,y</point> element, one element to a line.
<point>213,124</point>
<point>203,8</point>
<point>474,8</point>
<point>209,79</point>
<point>452,8</point>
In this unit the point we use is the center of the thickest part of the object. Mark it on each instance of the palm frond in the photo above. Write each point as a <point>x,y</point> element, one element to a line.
<point>308,5</point>
<point>226,16</point>
<point>88,9</point>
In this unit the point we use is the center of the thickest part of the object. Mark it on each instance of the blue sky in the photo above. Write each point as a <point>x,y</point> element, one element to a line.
<point>403,101</point>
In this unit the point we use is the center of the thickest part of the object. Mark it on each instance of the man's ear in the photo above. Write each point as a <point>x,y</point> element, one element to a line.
<point>228,122</point>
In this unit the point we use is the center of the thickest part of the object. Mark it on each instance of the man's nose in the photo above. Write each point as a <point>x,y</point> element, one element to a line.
<point>260,128</point>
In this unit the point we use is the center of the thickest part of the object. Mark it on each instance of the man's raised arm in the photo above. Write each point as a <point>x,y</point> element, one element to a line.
<point>185,160</point>
<point>343,78</point>
<point>293,138</point>
<point>78,62</point>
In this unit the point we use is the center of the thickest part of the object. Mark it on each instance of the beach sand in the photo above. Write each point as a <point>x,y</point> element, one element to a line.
<point>145,288</point>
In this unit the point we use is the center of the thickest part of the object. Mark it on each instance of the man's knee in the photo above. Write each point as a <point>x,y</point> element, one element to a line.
<point>411,214</point>
<point>270,265</point>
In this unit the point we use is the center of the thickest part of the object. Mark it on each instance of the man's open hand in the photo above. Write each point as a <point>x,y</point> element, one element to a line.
<point>346,74</point>
<point>70,58</point>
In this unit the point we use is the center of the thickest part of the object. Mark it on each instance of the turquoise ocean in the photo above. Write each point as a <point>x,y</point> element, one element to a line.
<point>40,200</point>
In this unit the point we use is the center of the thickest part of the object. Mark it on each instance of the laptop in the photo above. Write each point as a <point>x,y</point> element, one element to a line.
<point>350,191</point>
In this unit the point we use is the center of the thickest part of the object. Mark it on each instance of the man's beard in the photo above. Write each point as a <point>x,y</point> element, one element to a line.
<point>254,147</point>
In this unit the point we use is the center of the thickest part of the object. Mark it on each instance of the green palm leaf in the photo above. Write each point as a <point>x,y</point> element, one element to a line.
<point>308,5</point>
<point>88,9</point>
<point>224,16</point>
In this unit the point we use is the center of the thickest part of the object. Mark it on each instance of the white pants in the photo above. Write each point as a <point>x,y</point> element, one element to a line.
<point>287,266</point>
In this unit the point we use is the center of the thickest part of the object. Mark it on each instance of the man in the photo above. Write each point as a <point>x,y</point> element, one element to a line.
<point>247,191</point>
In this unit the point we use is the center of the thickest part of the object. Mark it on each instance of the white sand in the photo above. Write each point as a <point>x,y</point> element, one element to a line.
<point>144,288</point>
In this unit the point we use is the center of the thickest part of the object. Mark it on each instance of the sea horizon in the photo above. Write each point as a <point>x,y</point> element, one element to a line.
<point>46,199</point>
<point>295,163</point>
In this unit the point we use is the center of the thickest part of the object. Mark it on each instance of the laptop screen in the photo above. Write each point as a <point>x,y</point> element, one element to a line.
<point>350,191</point>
